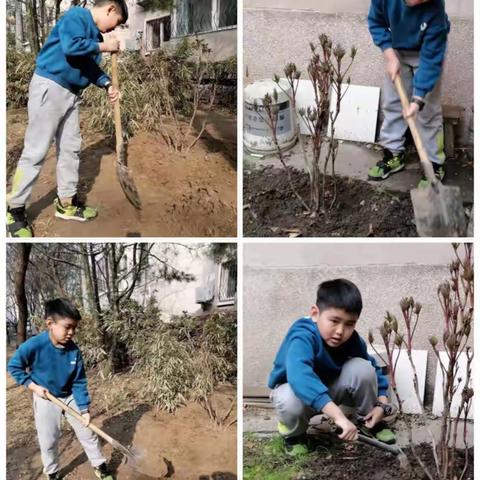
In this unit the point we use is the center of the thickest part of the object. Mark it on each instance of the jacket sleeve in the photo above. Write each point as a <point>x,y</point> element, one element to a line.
<point>72,36</point>
<point>79,386</point>
<point>94,73</point>
<point>378,25</point>
<point>301,376</point>
<point>18,364</point>
<point>432,54</point>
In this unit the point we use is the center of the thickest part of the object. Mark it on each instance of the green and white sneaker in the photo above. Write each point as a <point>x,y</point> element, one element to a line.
<point>75,211</point>
<point>381,432</point>
<point>439,171</point>
<point>389,164</point>
<point>103,473</point>
<point>17,224</point>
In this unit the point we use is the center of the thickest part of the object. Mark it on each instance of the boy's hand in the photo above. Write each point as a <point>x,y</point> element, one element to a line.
<point>113,94</point>
<point>349,430</point>
<point>411,111</point>
<point>111,44</point>
<point>86,418</point>
<point>392,63</point>
<point>373,417</point>
<point>40,391</point>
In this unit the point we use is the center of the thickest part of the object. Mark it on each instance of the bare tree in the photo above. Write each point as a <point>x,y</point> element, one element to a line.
<point>18,25</point>
<point>23,254</point>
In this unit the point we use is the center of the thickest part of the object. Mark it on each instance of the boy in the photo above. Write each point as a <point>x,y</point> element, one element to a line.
<point>51,362</point>
<point>413,37</point>
<point>323,363</point>
<point>67,63</point>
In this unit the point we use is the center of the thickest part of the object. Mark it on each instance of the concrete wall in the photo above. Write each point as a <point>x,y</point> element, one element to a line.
<point>277,32</point>
<point>280,282</point>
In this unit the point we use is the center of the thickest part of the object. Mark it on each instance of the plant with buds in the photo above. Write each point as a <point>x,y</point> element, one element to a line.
<point>455,297</point>
<point>327,72</point>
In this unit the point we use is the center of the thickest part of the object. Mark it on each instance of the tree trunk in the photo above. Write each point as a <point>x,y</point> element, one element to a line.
<point>33,20</point>
<point>18,25</point>
<point>57,9</point>
<point>43,22</point>
<point>23,250</point>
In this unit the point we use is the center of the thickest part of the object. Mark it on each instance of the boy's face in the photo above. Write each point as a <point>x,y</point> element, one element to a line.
<point>414,3</point>
<point>335,325</point>
<point>62,329</point>
<point>109,18</point>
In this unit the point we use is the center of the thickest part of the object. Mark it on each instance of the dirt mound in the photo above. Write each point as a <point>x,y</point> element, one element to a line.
<point>272,210</point>
<point>191,195</point>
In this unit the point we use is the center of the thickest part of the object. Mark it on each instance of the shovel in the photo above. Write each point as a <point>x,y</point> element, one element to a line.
<point>133,459</point>
<point>394,449</point>
<point>438,209</point>
<point>123,175</point>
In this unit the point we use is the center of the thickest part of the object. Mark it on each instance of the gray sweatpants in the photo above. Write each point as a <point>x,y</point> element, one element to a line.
<point>356,387</point>
<point>48,422</point>
<point>429,120</point>
<point>53,113</point>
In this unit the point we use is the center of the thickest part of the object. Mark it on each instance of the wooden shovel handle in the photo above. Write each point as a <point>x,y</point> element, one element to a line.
<point>79,417</point>
<point>422,153</point>
<point>116,106</point>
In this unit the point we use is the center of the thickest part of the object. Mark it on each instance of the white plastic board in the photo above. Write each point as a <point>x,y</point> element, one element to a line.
<point>438,396</point>
<point>404,377</point>
<point>357,120</point>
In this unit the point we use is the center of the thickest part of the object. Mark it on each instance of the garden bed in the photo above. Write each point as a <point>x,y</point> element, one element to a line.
<point>361,210</point>
<point>334,460</point>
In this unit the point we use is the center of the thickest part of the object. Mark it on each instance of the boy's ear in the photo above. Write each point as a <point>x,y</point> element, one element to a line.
<point>49,321</point>
<point>314,312</point>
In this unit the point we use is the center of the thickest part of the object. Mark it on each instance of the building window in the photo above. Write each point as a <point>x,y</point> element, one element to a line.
<point>158,32</point>
<point>227,289</point>
<point>198,16</point>
<point>227,13</point>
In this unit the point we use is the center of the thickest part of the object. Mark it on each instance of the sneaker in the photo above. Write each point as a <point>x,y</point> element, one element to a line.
<point>75,211</point>
<point>389,164</point>
<point>17,224</point>
<point>296,446</point>
<point>380,431</point>
<point>103,473</point>
<point>439,171</point>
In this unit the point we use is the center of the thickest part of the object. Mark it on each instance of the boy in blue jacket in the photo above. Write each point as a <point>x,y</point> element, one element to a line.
<point>323,363</point>
<point>413,37</point>
<point>51,362</point>
<point>67,63</point>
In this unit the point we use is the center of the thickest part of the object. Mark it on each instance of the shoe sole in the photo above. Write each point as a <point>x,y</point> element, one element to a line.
<point>379,179</point>
<point>69,217</point>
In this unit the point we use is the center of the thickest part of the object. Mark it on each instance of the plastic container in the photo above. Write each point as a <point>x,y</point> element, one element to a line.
<point>257,135</point>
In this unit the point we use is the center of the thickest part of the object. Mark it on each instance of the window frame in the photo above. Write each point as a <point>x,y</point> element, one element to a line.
<point>231,300</point>
<point>146,30</point>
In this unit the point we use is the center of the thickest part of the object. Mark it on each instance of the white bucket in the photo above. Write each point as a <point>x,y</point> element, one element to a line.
<point>257,135</point>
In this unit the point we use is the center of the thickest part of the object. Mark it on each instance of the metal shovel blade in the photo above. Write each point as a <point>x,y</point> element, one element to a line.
<point>439,211</point>
<point>126,180</point>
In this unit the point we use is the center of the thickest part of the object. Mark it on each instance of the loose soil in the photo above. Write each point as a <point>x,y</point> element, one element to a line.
<point>192,195</point>
<point>272,210</point>
<point>334,460</point>
<point>194,446</point>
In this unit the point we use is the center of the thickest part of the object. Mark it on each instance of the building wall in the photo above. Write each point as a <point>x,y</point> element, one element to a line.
<point>280,282</point>
<point>277,32</point>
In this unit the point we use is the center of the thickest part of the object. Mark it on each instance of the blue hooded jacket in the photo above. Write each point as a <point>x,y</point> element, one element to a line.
<point>307,363</point>
<point>60,370</point>
<point>71,55</point>
<point>423,28</point>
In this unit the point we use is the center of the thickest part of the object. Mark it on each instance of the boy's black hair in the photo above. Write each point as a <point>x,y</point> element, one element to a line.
<point>120,4</point>
<point>339,293</point>
<point>61,307</point>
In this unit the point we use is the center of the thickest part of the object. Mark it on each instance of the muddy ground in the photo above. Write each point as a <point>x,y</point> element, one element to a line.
<point>192,195</point>
<point>194,446</point>
<point>272,210</point>
<point>335,460</point>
